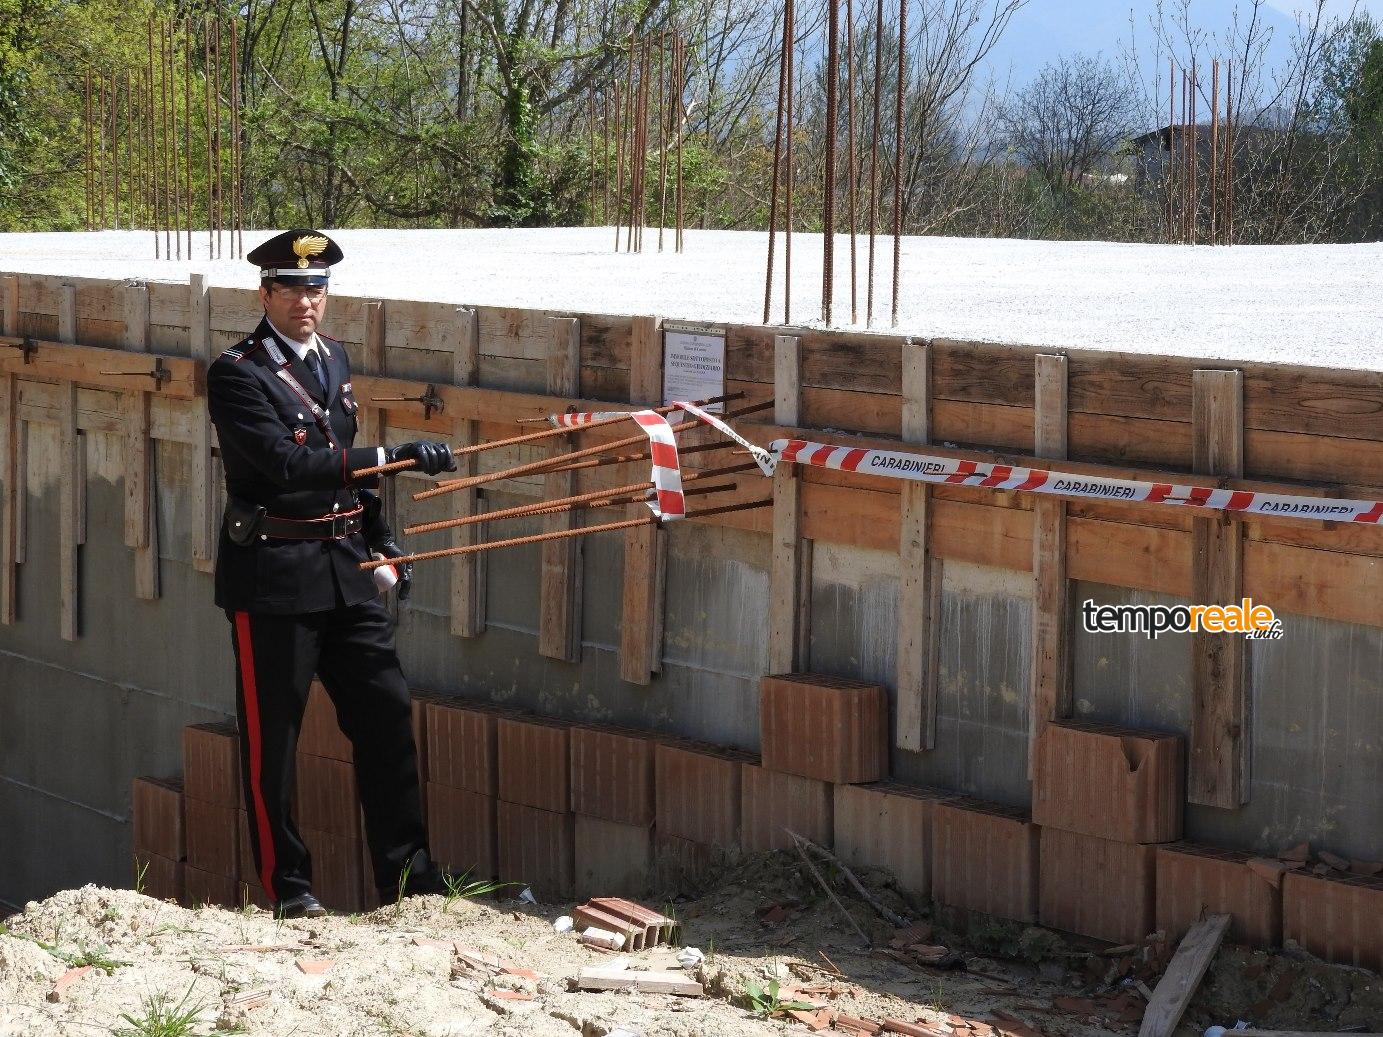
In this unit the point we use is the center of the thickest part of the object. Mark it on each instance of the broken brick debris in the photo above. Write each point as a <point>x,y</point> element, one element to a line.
<point>656,982</point>
<point>1193,881</point>
<point>462,830</point>
<point>534,757</point>
<point>697,788</point>
<point>827,728</point>
<point>71,976</point>
<point>538,847</point>
<point>1097,887</point>
<point>773,802</point>
<point>1337,917</point>
<point>888,825</point>
<point>314,966</point>
<point>1113,783</point>
<point>641,927</point>
<point>156,809</point>
<point>611,857</point>
<point>985,858</point>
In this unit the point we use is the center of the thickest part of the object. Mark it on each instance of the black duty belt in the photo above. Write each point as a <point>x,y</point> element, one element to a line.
<point>328,527</point>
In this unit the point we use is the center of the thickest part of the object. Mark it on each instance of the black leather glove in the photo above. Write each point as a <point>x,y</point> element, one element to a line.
<point>431,458</point>
<point>389,549</point>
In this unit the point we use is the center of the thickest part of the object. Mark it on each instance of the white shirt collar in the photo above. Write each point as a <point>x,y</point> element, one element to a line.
<point>300,348</point>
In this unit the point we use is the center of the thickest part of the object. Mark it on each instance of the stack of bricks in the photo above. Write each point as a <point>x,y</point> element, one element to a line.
<point>211,802</point>
<point>1194,881</point>
<point>984,858</point>
<point>612,783</point>
<point>1335,916</point>
<point>159,846</point>
<point>535,830</point>
<point>889,825</point>
<point>1104,797</point>
<point>328,809</point>
<point>462,787</point>
<point>816,732</point>
<point>698,790</point>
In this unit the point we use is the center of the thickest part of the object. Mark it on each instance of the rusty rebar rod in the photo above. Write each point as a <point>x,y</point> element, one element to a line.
<point>237,191</point>
<point>790,28</point>
<point>874,156</point>
<point>681,81</point>
<point>1215,154</point>
<point>90,170</point>
<point>206,99</point>
<point>187,131</point>
<point>851,185</point>
<point>619,166</point>
<point>1171,147</point>
<point>214,82</point>
<point>898,154</point>
<point>165,157</point>
<point>776,171</point>
<point>1229,154</point>
<point>642,455</point>
<point>1195,153</point>
<point>662,135</point>
<point>828,199</point>
<point>546,463</point>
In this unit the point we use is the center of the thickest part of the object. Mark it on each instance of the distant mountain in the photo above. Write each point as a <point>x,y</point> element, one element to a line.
<point>1045,30</point>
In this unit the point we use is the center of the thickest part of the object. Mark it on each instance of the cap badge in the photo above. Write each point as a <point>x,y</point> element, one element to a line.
<point>306,246</point>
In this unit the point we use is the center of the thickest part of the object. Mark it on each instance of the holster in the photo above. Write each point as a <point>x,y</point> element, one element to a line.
<point>243,520</point>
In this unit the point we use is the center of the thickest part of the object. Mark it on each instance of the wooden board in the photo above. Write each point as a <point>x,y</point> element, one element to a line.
<point>645,547</point>
<point>11,495</point>
<point>201,493</point>
<point>467,571</point>
<point>919,579</point>
<point>1178,984</point>
<point>1051,604</point>
<point>1217,772</point>
<point>70,516</point>
<point>559,630</point>
<point>790,566</point>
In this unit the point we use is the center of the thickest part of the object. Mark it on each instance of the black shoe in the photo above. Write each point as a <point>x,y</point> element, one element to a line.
<point>304,905</point>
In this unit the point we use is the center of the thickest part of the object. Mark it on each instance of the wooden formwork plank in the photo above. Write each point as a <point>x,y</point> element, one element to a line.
<point>1051,684</point>
<point>11,432</point>
<point>790,565</point>
<point>641,623</point>
<point>467,571</point>
<point>1220,733</point>
<point>141,519</point>
<point>919,576</point>
<point>202,492</point>
<point>69,515</point>
<point>559,635</point>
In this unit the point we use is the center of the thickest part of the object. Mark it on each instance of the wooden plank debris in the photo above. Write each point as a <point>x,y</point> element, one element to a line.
<point>919,573</point>
<point>1051,682</point>
<point>660,982</point>
<point>1178,984</point>
<point>1220,735</point>
<point>645,547</point>
<point>559,632</point>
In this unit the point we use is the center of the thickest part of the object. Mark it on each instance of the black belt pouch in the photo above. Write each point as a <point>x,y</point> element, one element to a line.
<point>243,520</point>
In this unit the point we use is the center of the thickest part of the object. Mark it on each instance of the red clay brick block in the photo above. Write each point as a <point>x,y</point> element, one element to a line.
<point>1338,919</point>
<point>612,859</point>
<point>158,877</point>
<point>772,802</point>
<point>336,873</point>
<point>420,702</point>
<point>203,889</point>
<point>536,847</point>
<point>211,764</point>
<point>1110,782</point>
<point>984,858</point>
<point>1194,881</point>
<point>156,806</point>
<point>327,797</point>
<point>461,830</point>
<point>320,734</point>
<point>612,774</point>
<point>213,837</point>
<point>826,728</point>
<point>698,791</point>
<point>1097,888</point>
<point>535,762</point>
<point>247,871</point>
<point>462,745</point>
<point>889,826</point>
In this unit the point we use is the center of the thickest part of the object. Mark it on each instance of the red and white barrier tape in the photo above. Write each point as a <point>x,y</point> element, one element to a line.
<point>953,472</point>
<point>669,502</point>
<point>765,460</point>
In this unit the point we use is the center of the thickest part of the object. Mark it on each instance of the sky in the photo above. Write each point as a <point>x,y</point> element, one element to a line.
<point>1334,7</point>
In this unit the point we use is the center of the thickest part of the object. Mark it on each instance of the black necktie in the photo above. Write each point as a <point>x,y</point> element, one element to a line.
<point>314,363</point>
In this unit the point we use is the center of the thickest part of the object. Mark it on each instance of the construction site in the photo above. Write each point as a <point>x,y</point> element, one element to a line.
<point>947,637</point>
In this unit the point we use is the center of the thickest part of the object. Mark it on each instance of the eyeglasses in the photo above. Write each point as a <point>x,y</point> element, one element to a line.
<point>311,292</point>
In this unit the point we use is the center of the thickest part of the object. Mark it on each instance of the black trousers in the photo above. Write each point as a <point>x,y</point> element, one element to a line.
<point>351,648</point>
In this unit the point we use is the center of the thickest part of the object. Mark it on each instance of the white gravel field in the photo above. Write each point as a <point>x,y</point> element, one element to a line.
<point>1316,305</point>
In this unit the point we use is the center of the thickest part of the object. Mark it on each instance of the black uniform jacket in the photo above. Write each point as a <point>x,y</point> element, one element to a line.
<point>277,454</point>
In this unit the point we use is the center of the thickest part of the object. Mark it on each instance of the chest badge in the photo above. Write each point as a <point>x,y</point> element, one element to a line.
<point>300,435</point>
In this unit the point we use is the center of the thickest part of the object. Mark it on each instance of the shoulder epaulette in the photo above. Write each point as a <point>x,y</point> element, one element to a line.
<point>241,350</point>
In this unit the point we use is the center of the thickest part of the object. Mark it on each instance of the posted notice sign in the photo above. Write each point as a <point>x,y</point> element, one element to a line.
<point>694,365</point>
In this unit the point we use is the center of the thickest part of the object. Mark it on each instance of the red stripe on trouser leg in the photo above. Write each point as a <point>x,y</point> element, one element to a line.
<point>250,693</point>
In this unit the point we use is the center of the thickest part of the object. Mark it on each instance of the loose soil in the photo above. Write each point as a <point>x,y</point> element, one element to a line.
<point>761,919</point>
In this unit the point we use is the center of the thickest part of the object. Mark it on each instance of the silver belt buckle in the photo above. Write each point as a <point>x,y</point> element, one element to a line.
<point>339,527</point>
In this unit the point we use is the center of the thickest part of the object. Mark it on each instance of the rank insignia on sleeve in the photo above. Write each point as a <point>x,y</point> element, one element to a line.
<point>300,435</point>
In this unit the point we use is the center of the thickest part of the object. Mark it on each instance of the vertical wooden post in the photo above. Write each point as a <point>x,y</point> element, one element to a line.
<point>645,547</point>
<point>1220,735</point>
<point>1051,682</point>
<point>467,571</point>
<point>559,635</point>
<point>919,582</point>
<point>71,481</point>
<point>203,492</point>
<point>11,431</point>
<point>370,425</point>
<point>790,584</point>
<point>141,524</point>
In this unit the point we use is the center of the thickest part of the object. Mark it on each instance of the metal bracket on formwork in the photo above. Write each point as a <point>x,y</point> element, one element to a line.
<point>159,374</point>
<point>429,399</point>
<point>26,345</point>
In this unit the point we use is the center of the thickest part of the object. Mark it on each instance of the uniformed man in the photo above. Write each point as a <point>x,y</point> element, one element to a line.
<point>296,526</point>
